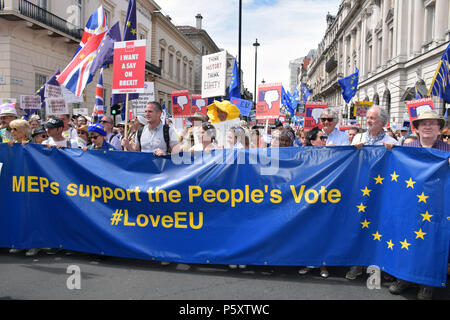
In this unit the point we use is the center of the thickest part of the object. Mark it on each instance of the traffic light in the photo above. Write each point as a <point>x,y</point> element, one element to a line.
<point>115,109</point>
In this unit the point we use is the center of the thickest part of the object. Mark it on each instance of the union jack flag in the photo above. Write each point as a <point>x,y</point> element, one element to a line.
<point>96,23</point>
<point>99,109</point>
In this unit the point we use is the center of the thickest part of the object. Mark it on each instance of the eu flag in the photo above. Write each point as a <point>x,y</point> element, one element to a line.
<point>235,90</point>
<point>349,85</point>
<point>305,93</point>
<point>105,52</point>
<point>440,86</point>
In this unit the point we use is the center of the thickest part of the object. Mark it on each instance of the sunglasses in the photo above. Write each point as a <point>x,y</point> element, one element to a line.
<point>323,138</point>
<point>44,136</point>
<point>104,121</point>
<point>94,136</point>
<point>445,136</point>
<point>325,119</point>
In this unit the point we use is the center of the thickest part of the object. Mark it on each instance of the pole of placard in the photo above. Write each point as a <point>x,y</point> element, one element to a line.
<point>267,126</point>
<point>126,119</point>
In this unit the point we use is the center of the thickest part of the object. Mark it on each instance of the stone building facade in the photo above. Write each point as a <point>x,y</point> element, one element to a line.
<point>395,44</point>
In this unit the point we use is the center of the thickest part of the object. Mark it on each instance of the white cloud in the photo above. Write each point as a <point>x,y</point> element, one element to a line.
<point>286,29</point>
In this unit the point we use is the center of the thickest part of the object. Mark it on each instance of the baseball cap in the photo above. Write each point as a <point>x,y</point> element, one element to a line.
<point>54,123</point>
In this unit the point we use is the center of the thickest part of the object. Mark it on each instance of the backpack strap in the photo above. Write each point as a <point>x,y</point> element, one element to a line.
<point>139,134</point>
<point>167,137</point>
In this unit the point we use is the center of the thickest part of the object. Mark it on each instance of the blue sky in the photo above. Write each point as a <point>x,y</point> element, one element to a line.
<point>286,29</point>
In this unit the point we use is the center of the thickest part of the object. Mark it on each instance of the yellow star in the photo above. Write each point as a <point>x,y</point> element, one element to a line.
<point>377,236</point>
<point>422,197</point>
<point>426,216</point>
<point>133,31</point>
<point>379,180</point>
<point>420,234</point>
<point>128,23</point>
<point>366,192</point>
<point>82,56</point>
<point>394,176</point>
<point>361,207</point>
<point>405,244</point>
<point>365,224</point>
<point>410,183</point>
<point>390,244</point>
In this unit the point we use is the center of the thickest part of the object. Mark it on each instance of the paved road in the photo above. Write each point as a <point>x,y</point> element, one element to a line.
<point>45,277</point>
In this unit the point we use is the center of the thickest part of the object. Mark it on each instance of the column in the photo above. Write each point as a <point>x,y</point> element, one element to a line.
<point>441,17</point>
<point>418,21</point>
<point>385,33</point>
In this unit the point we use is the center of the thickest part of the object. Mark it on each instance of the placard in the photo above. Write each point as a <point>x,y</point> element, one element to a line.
<point>181,104</point>
<point>144,98</point>
<point>55,106</point>
<point>416,107</point>
<point>269,101</point>
<point>214,75</point>
<point>245,106</point>
<point>52,91</point>
<point>30,102</point>
<point>312,114</point>
<point>129,67</point>
<point>361,108</point>
<point>199,104</point>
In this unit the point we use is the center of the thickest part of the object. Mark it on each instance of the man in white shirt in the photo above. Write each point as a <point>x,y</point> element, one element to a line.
<point>376,118</point>
<point>55,128</point>
<point>329,120</point>
<point>111,137</point>
<point>151,137</point>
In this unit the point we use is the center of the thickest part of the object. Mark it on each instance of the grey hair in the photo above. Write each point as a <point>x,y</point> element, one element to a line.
<point>330,112</point>
<point>382,113</point>
<point>156,104</point>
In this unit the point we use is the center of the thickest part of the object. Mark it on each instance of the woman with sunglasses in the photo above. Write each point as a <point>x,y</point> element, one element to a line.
<point>39,135</point>
<point>445,135</point>
<point>97,134</point>
<point>315,137</point>
<point>20,130</point>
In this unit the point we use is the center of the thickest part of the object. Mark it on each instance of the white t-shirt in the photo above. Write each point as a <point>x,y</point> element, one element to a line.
<point>70,133</point>
<point>154,139</point>
<point>63,143</point>
<point>361,138</point>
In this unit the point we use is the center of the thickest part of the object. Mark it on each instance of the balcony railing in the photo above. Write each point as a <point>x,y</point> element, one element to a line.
<point>36,13</point>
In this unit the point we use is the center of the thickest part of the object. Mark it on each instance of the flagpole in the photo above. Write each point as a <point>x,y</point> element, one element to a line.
<point>126,119</point>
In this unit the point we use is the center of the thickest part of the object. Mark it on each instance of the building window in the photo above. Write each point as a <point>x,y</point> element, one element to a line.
<point>170,65</point>
<point>79,8</point>
<point>429,18</point>
<point>178,70</point>
<point>108,16</point>
<point>161,58</point>
<point>184,73</point>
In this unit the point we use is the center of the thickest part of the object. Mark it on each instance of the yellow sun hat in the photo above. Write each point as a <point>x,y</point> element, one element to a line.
<point>230,109</point>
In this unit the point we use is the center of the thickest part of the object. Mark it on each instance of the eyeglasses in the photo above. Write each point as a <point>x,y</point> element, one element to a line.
<point>323,138</point>
<point>81,132</point>
<point>325,119</point>
<point>104,121</point>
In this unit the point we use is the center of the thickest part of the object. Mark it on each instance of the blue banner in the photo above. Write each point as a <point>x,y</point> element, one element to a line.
<point>334,206</point>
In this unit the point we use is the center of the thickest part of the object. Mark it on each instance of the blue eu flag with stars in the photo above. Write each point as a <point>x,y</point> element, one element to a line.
<point>349,85</point>
<point>235,91</point>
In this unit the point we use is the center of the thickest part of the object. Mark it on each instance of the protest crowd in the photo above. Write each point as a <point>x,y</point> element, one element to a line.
<point>155,134</point>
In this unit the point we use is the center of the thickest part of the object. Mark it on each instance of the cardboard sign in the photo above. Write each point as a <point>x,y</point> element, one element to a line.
<point>361,108</point>
<point>181,104</point>
<point>214,75</point>
<point>312,114</point>
<point>52,91</point>
<point>129,67</point>
<point>144,98</point>
<point>30,102</point>
<point>245,106</point>
<point>415,107</point>
<point>55,106</point>
<point>269,101</point>
<point>199,104</point>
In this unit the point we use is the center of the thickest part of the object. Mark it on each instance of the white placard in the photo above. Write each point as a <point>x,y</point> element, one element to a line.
<point>82,111</point>
<point>222,129</point>
<point>214,75</point>
<point>55,106</point>
<point>144,98</point>
<point>29,102</point>
<point>52,91</point>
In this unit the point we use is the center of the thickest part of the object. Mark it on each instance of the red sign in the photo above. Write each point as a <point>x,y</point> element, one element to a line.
<point>269,101</point>
<point>199,104</point>
<point>181,104</point>
<point>312,114</point>
<point>129,67</point>
<point>415,107</point>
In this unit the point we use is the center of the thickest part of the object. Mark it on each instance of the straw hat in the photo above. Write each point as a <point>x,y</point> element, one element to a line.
<point>429,115</point>
<point>198,116</point>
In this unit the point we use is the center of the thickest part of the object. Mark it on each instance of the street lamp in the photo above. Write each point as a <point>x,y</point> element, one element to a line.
<point>256,45</point>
